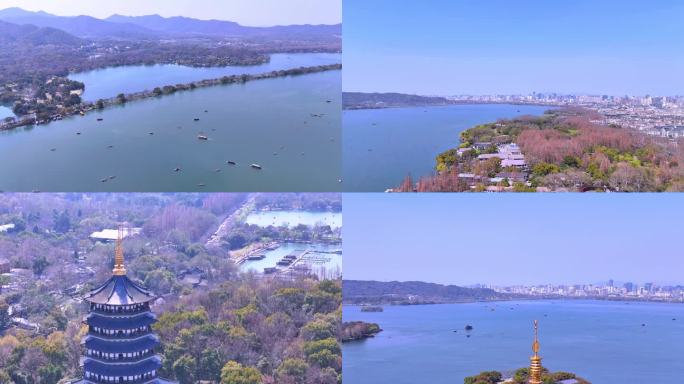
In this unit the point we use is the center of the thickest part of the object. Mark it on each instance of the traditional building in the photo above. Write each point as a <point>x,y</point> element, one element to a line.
<point>120,345</point>
<point>535,361</point>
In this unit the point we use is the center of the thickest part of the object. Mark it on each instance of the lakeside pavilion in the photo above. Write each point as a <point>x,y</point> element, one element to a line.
<point>120,345</point>
<point>535,376</point>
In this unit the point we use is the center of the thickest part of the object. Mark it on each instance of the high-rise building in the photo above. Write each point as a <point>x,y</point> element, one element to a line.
<point>120,345</point>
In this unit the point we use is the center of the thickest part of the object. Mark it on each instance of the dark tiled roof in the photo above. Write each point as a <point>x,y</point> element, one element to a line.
<point>117,346</point>
<point>119,290</point>
<point>99,368</point>
<point>120,322</point>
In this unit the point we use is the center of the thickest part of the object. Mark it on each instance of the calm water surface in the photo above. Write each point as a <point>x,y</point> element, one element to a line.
<point>293,218</point>
<point>383,146</point>
<point>109,82</point>
<point>604,342</point>
<point>6,111</point>
<point>267,122</point>
<point>332,261</point>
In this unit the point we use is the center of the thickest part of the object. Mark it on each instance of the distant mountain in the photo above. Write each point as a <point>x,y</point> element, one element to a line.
<point>219,28</point>
<point>30,34</point>
<point>360,100</point>
<point>80,26</point>
<point>412,292</point>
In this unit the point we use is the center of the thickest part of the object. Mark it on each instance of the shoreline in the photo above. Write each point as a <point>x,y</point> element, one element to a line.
<point>501,300</point>
<point>364,108</point>
<point>102,104</point>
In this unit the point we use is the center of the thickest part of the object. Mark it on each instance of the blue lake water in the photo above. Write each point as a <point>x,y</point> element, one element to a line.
<point>293,218</point>
<point>332,262</point>
<point>603,342</point>
<point>5,111</point>
<point>109,82</point>
<point>138,146</point>
<point>382,146</point>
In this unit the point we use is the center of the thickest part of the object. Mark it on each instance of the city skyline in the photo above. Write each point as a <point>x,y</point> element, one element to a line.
<point>500,47</point>
<point>246,13</point>
<point>515,239</point>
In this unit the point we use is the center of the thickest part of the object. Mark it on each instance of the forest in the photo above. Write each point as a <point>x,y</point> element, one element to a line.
<point>565,150</point>
<point>238,328</point>
<point>521,376</point>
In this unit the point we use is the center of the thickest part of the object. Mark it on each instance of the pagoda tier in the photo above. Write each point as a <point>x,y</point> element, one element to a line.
<point>120,343</point>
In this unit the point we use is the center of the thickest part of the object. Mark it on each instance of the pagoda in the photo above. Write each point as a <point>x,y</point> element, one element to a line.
<point>535,376</point>
<point>120,345</point>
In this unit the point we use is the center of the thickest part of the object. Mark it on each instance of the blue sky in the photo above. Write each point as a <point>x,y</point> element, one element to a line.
<point>505,239</point>
<point>246,12</point>
<point>501,46</point>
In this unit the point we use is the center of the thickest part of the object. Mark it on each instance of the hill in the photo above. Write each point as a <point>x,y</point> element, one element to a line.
<point>185,26</point>
<point>155,27</point>
<point>30,34</point>
<point>361,100</point>
<point>80,26</point>
<point>412,292</point>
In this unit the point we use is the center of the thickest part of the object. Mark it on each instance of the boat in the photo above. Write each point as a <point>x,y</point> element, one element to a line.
<point>270,270</point>
<point>202,137</point>
<point>81,113</point>
<point>196,119</point>
<point>231,162</point>
<point>258,256</point>
<point>256,166</point>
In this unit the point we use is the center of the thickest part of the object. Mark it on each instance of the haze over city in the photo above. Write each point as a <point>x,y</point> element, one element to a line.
<point>502,47</point>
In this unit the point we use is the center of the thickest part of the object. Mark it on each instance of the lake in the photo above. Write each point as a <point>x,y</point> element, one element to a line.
<point>602,342</point>
<point>329,261</point>
<point>268,122</point>
<point>383,146</point>
<point>109,82</point>
<point>293,218</point>
<point>6,111</point>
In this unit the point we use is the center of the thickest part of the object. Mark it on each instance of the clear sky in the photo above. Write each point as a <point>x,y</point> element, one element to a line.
<point>246,12</point>
<point>446,47</point>
<point>509,239</point>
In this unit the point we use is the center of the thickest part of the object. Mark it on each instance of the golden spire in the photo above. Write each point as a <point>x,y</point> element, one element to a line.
<point>119,268</point>
<point>535,361</point>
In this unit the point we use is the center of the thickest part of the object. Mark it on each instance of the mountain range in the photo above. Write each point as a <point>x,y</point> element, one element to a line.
<point>155,27</point>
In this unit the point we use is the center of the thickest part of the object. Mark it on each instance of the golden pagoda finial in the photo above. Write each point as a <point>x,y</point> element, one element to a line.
<point>535,376</point>
<point>119,268</point>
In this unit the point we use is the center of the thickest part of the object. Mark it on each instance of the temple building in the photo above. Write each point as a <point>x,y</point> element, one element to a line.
<point>120,345</point>
<point>535,361</point>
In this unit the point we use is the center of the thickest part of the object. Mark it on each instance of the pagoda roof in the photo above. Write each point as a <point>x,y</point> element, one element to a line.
<point>119,290</point>
<point>149,341</point>
<point>121,322</point>
<point>152,381</point>
<point>128,369</point>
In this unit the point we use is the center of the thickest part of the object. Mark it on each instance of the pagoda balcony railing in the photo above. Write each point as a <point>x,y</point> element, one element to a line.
<point>122,359</point>
<point>118,336</point>
<point>119,311</point>
<point>139,381</point>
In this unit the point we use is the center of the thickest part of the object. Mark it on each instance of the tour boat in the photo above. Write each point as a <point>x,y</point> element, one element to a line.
<point>256,166</point>
<point>202,137</point>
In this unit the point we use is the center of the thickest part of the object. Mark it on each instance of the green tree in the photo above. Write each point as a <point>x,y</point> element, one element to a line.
<point>293,368</point>
<point>235,373</point>
<point>185,368</point>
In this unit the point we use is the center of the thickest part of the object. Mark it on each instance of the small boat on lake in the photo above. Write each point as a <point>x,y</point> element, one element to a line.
<point>202,137</point>
<point>255,166</point>
<point>99,119</point>
<point>196,119</point>
<point>231,162</point>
